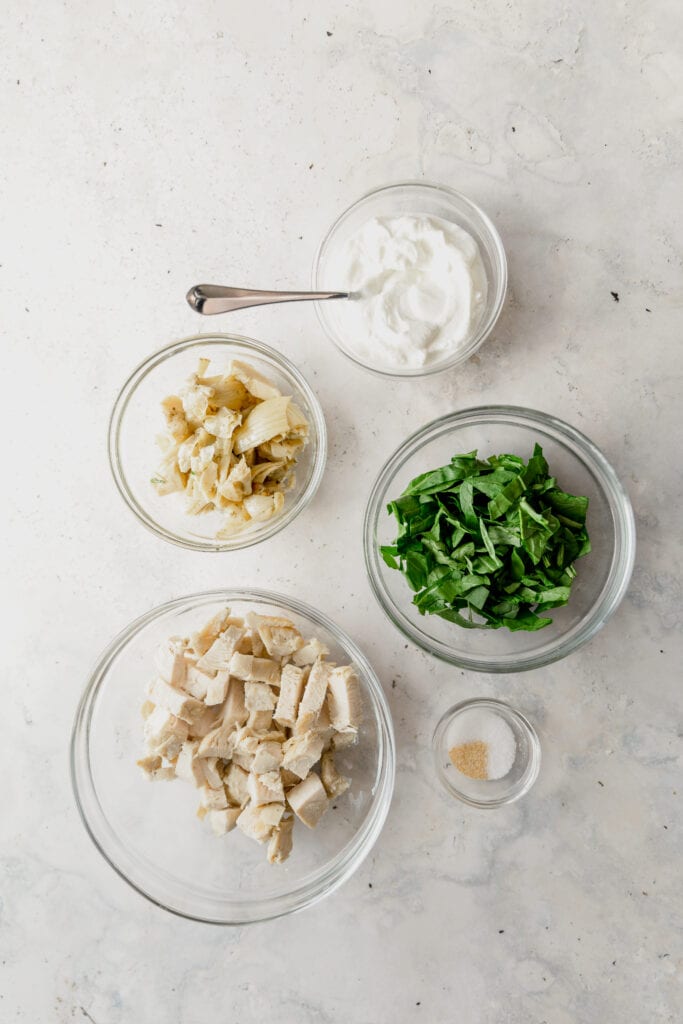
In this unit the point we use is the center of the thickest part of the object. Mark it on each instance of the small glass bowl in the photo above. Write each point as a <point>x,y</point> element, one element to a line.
<point>581,468</point>
<point>136,421</point>
<point>149,832</point>
<point>488,792</point>
<point>414,197</point>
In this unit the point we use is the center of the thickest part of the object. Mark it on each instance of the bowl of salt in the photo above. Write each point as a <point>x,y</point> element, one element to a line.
<point>486,753</point>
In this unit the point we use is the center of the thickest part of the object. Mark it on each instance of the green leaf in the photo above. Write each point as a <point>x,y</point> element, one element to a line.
<point>488,544</point>
<point>467,504</point>
<point>388,553</point>
<point>569,508</point>
<point>436,480</point>
<point>416,569</point>
<point>508,497</point>
<point>517,569</point>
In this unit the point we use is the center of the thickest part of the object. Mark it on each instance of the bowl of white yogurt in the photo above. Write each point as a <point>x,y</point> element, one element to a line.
<point>427,275</point>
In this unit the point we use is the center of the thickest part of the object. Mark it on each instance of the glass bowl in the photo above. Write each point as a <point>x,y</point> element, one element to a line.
<point>149,832</point>
<point>414,197</point>
<point>136,421</point>
<point>488,792</point>
<point>602,575</point>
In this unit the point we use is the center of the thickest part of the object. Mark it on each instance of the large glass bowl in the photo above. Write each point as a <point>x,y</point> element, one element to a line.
<point>419,198</point>
<point>602,575</point>
<point>137,419</point>
<point>149,832</point>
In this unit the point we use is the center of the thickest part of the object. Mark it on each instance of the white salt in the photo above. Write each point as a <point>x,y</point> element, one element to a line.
<point>479,725</point>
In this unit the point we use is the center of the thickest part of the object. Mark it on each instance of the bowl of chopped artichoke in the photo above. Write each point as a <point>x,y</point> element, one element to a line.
<point>217,442</point>
<point>233,756</point>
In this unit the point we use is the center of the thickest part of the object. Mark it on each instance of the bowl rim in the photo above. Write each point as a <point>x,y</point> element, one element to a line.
<point>324,882</point>
<point>617,580</point>
<point>484,329</point>
<point>502,707</point>
<point>128,390</point>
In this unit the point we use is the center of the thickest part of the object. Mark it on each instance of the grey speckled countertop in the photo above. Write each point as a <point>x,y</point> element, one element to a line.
<point>148,146</point>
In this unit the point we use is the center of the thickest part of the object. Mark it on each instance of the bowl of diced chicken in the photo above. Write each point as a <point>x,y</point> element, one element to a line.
<point>233,756</point>
<point>217,442</point>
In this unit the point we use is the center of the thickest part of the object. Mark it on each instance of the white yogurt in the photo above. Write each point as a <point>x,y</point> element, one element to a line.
<point>420,290</point>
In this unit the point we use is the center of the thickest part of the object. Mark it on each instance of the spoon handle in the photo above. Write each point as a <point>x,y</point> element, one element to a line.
<point>213,298</point>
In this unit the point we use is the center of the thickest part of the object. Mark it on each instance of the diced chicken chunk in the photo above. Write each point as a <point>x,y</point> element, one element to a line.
<point>313,697</point>
<point>255,621</point>
<point>280,641</point>
<point>334,782</point>
<point>224,821</point>
<point>196,682</point>
<point>170,661</point>
<point>258,697</point>
<point>207,722</point>
<point>292,682</point>
<point>307,654</point>
<point>164,733</point>
<point>260,721</point>
<point>214,778</point>
<point>235,712</point>
<point>323,724</point>
<point>289,779</point>
<point>189,766</point>
<point>342,740</point>
<point>246,745</point>
<point>308,800</point>
<point>344,699</point>
<point>178,703</point>
<point>150,765</point>
<point>259,822</point>
<point>266,788</point>
<point>235,620</point>
<point>241,665</point>
<point>280,844</point>
<point>202,640</point>
<point>220,742</point>
<point>265,671</point>
<point>268,757</point>
<point>301,753</point>
<point>213,799</point>
<point>217,689</point>
<point>257,646</point>
<point>221,650</point>
<point>235,780</point>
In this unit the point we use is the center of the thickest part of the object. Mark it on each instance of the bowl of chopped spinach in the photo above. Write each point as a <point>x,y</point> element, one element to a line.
<point>499,538</point>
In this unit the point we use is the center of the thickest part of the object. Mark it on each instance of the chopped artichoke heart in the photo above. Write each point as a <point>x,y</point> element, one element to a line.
<point>264,422</point>
<point>259,473</point>
<point>223,423</point>
<point>296,418</point>
<point>263,506</point>
<point>255,383</point>
<point>230,445</point>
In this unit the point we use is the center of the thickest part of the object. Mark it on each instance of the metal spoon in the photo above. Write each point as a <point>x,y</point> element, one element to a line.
<point>209,299</point>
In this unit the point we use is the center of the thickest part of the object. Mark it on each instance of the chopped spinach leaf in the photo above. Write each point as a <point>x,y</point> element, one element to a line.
<point>489,543</point>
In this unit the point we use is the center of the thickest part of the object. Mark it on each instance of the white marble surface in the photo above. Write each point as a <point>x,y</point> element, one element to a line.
<point>148,146</point>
